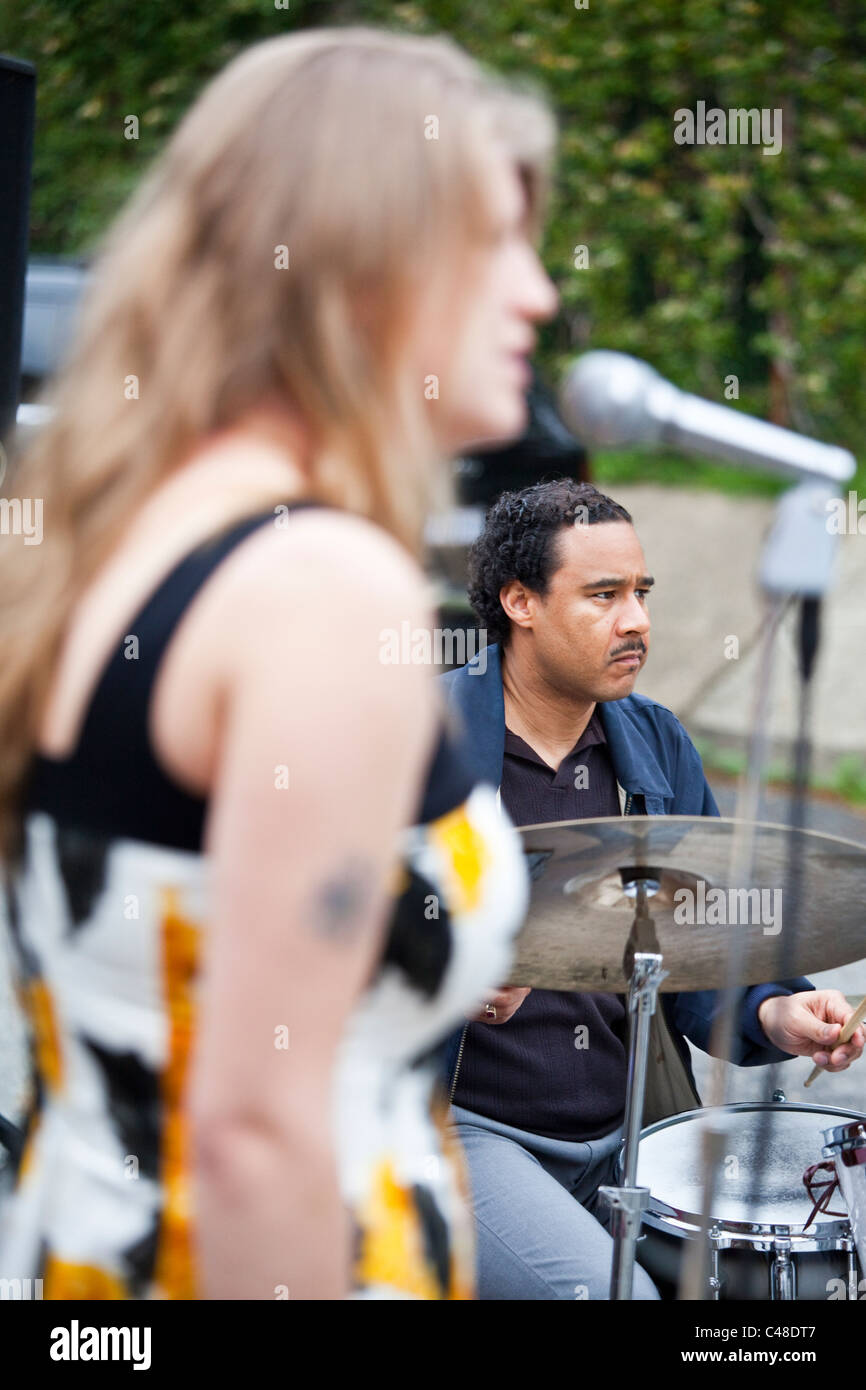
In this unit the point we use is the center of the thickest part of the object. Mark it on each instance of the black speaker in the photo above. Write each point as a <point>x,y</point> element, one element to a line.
<point>17,118</point>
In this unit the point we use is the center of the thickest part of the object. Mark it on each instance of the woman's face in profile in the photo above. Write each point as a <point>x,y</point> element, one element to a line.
<point>478,341</point>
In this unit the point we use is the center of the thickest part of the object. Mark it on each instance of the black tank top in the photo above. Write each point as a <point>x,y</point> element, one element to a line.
<point>112,783</point>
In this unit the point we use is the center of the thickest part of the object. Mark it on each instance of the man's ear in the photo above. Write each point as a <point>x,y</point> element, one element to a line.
<point>516,599</point>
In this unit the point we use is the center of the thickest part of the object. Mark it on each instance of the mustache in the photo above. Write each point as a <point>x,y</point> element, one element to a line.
<point>624,651</point>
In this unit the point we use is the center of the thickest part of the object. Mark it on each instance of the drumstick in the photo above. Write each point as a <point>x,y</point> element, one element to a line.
<point>858,1015</point>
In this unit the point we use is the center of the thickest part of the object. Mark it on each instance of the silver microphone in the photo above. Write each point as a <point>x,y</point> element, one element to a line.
<point>609,399</point>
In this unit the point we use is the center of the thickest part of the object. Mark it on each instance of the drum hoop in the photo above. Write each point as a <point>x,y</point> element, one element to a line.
<point>781,1106</point>
<point>752,1235</point>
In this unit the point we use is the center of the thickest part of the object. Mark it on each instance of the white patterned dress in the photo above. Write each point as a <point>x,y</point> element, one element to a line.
<point>109,933</point>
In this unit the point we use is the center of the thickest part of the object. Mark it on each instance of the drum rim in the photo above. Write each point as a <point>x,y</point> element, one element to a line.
<point>736,1106</point>
<point>821,1236</point>
<point>680,1223</point>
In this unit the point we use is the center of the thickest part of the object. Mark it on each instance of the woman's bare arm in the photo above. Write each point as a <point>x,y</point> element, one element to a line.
<point>322,750</point>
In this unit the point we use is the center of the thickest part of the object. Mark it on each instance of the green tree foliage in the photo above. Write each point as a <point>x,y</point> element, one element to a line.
<point>710,261</point>
<point>100,61</point>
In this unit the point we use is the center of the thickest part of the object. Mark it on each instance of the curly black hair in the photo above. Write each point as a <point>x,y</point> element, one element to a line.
<point>518,542</point>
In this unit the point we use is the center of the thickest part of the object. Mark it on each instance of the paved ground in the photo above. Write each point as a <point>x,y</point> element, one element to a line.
<point>703,549</point>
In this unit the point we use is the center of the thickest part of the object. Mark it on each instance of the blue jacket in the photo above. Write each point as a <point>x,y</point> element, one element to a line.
<point>659,772</point>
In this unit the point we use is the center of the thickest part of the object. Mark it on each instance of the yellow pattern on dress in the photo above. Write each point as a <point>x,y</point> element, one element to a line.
<point>392,1240</point>
<point>64,1280</point>
<point>174,1272</point>
<point>34,998</point>
<point>40,1010</point>
<point>25,1163</point>
<point>466,858</point>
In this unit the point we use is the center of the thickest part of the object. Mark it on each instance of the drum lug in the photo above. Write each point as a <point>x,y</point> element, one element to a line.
<point>783,1272</point>
<point>715,1282</point>
<point>853,1275</point>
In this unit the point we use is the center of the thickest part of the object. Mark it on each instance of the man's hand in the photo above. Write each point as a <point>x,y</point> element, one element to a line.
<point>808,1025</point>
<point>506,1002</point>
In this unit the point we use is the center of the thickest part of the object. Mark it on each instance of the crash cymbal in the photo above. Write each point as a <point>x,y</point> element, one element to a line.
<point>580,918</point>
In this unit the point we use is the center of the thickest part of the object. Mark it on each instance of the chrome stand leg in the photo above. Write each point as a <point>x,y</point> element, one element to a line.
<point>628,1201</point>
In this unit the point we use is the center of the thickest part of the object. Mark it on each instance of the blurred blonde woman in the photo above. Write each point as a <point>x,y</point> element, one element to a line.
<point>250,885</point>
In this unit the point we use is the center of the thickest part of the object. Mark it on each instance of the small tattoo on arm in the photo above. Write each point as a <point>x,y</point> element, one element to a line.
<point>340,901</point>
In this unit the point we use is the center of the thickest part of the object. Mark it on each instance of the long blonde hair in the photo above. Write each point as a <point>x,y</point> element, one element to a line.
<point>302,184</point>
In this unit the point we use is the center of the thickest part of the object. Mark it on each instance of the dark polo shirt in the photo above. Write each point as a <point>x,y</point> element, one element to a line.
<point>538,1072</point>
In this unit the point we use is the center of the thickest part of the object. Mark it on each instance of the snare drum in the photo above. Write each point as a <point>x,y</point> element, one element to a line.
<point>758,1247</point>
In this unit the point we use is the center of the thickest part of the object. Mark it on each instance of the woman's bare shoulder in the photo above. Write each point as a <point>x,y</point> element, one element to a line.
<point>321,590</point>
<point>331,553</point>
